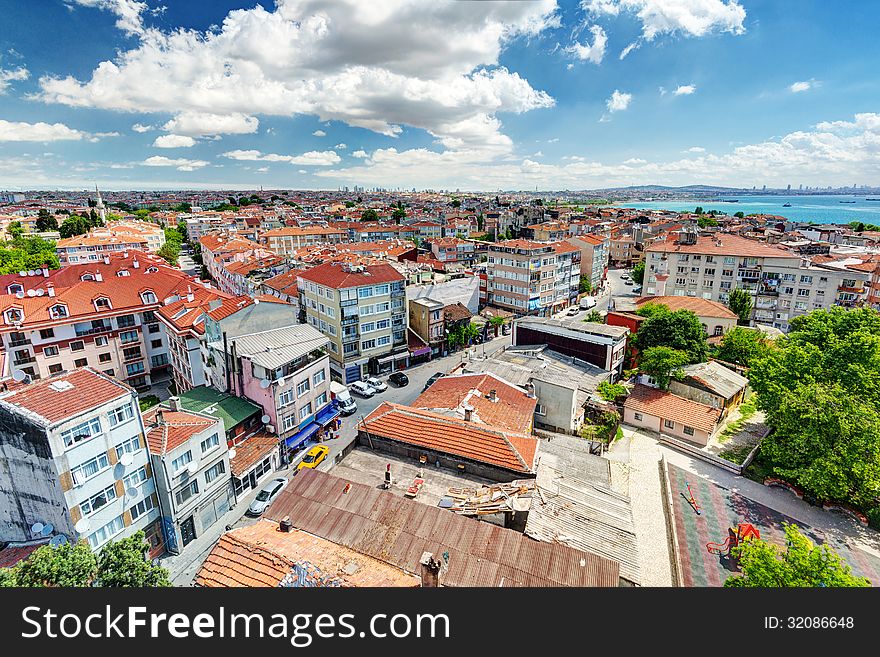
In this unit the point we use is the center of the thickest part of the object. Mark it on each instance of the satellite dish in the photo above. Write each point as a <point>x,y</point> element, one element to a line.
<point>131,492</point>
<point>82,525</point>
<point>232,453</point>
<point>126,459</point>
<point>47,530</point>
<point>265,383</point>
<point>58,541</point>
<point>18,375</point>
<point>37,527</point>
<point>31,293</point>
<point>265,419</point>
<point>41,292</point>
<point>192,468</point>
<point>280,381</point>
<point>19,295</point>
<point>22,273</point>
<point>31,272</point>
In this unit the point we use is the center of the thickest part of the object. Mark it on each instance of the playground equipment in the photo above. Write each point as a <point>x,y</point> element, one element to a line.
<point>735,535</point>
<point>691,499</point>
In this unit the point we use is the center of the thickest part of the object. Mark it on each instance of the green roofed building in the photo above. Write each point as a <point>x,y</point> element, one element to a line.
<point>240,416</point>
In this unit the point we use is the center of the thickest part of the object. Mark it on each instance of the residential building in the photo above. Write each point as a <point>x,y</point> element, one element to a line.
<point>622,250</point>
<point>362,310</point>
<point>711,384</point>
<point>191,464</point>
<point>75,462</point>
<point>594,258</point>
<point>716,318</point>
<point>285,241</point>
<point>453,249</point>
<point>664,412</point>
<point>427,321</point>
<point>529,277</point>
<point>465,290</point>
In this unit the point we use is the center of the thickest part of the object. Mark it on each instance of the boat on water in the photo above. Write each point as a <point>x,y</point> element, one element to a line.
<point>786,205</point>
<point>846,201</point>
<point>872,199</point>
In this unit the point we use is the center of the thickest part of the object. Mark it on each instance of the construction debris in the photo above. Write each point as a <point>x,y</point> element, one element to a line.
<point>486,500</point>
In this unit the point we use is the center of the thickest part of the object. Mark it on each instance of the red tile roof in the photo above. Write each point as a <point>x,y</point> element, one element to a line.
<point>11,555</point>
<point>252,450</point>
<point>698,306</point>
<point>721,244</point>
<point>339,277</point>
<point>90,389</point>
<point>665,405</point>
<point>174,429</point>
<point>174,316</point>
<point>452,436</point>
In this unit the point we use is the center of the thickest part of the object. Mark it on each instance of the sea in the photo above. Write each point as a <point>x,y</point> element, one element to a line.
<point>818,209</point>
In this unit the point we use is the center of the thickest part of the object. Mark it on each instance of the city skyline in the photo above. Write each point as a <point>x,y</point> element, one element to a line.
<point>475,96</point>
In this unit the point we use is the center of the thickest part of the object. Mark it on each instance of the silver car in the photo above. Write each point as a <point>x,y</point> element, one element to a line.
<point>377,384</point>
<point>266,496</point>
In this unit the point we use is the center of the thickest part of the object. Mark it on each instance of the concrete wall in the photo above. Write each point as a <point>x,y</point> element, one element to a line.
<point>560,407</point>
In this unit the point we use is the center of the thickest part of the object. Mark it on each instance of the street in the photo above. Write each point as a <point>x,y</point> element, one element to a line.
<point>615,287</point>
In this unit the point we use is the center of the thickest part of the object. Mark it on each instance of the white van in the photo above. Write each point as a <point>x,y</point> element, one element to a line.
<point>587,302</point>
<point>344,400</point>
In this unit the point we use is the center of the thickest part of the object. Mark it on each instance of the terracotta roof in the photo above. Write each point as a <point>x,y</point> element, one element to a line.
<point>453,436</point>
<point>262,555</point>
<point>513,411</point>
<point>565,247</point>
<point>90,389</point>
<point>175,428</point>
<point>456,312</point>
<point>12,554</point>
<point>665,405</point>
<point>99,240</point>
<point>698,306</point>
<point>173,314</point>
<point>520,244</point>
<point>252,450</point>
<point>721,244</point>
<point>284,282</point>
<point>339,277</point>
<point>307,230</point>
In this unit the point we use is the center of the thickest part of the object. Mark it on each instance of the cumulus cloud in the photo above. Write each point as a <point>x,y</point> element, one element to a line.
<point>137,127</point>
<point>319,133</point>
<point>377,66</point>
<point>311,158</point>
<point>340,147</point>
<point>21,131</point>
<point>802,86</point>
<point>174,141</point>
<point>590,52</point>
<point>203,124</point>
<point>360,154</point>
<point>12,75</point>
<point>619,101</point>
<point>696,149</point>
<point>181,164</point>
<point>684,90</point>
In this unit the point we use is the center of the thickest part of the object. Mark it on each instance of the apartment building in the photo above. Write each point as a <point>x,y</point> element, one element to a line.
<point>75,462</point>
<point>529,277</point>
<point>190,462</point>
<point>784,284</point>
<point>100,314</point>
<point>453,249</point>
<point>362,310</point>
<point>595,250</point>
<point>285,241</point>
<point>426,319</point>
<point>221,249</point>
<point>622,250</point>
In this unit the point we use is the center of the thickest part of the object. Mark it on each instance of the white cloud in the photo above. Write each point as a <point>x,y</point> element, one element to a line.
<point>377,66</point>
<point>302,171</point>
<point>553,141</point>
<point>311,158</point>
<point>340,147</point>
<point>181,164</point>
<point>684,90</point>
<point>128,12</point>
<point>98,136</point>
<point>799,87</point>
<point>262,169</point>
<point>591,53</point>
<point>137,127</point>
<point>663,91</point>
<point>629,49</point>
<point>21,131</point>
<point>201,124</point>
<point>319,133</point>
<point>12,75</point>
<point>618,102</point>
<point>360,154</point>
<point>174,141</point>
<point>696,149</point>
<point>634,161</point>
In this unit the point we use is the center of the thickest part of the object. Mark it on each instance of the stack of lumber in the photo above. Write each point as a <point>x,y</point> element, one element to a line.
<point>486,500</point>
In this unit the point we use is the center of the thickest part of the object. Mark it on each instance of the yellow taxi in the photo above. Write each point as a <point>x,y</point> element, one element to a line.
<point>313,457</point>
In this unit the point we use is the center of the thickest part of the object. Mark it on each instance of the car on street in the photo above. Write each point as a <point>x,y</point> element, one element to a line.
<point>628,282</point>
<point>433,380</point>
<point>637,289</point>
<point>313,457</point>
<point>266,496</point>
<point>573,310</point>
<point>624,277</point>
<point>362,388</point>
<point>399,379</point>
<point>376,384</point>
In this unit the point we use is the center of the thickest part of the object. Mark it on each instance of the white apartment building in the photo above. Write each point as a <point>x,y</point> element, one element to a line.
<point>528,277</point>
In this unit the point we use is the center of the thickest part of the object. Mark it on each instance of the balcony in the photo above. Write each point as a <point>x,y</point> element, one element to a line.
<point>19,342</point>
<point>351,319</point>
<point>24,361</point>
<point>349,302</point>
<point>105,328</point>
<point>851,290</point>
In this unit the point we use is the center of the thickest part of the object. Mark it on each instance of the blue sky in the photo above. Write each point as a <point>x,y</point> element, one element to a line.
<point>410,93</point>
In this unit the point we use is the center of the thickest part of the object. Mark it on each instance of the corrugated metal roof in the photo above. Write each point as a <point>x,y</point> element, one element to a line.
<point>397,530</point>
<point>276,347</point>
<point>717,378</point>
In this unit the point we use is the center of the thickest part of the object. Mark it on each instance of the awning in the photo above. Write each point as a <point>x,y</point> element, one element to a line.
<point>327,414</point>
<point>386,359</point>
<point>424,351</point>
<point>303,435</point>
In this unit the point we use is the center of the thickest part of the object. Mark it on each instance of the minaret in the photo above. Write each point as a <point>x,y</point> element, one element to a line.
<point>99,206</point>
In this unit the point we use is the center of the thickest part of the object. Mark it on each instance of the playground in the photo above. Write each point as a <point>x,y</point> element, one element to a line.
<point>703,513</point>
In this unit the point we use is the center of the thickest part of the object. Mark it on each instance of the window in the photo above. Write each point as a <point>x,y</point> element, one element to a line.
<point>129,446</point>
<point>101,341</point>
<point>181,461</point>
<point>302,387</point>
<point>289,422</point>
<point>156,344</point>
<point>142,507</point>
<point>540,410</point>
<point>85,471</point>
<point>719,330</point>
<point>58,311</point>
<point>305,411</point>
<point>318,377</point>
<point>365,292</point>
<point>669,424</point>
<point>321,400</point>
<point>187,492</point>
<point>148,297</point>
<point>384,340</point>
<point>368,344</point>
<point>50,351</point>
<point>45,334</point>
<point>131,353</point>
<point>77,345</point>
<point>54,369</point>
<point>106,532</point>
<point>286,397</point>
<point>638,416</point>
<point>214,471</point>
<point>102,303</point>
<point>81,432</point>
<point>110,372</point>
<point>120,414</point>
<point>806,279</point>
<point>134,369</point>
<point>104,358</point>
<point>124,321</point>
<point>95,502</point>
<point>136,478</point>
<point>689,431</point>
<point>210,443</point>
<point>81,362</point>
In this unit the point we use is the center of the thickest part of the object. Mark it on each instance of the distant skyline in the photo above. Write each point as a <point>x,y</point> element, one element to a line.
<point>481,96</point>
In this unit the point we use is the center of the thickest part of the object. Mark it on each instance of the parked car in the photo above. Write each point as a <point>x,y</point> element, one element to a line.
<point>362,388</point>
<point>313,457</point>
<point>572,310</point>
<point>628,282</point>
<point>505,329</point>
<point>399,379</point>
<point>637,289</point>
<point>433,380</point>
<point>587,302</point>
<point>266,496</point>
<point>624,277</point>
<point>377,384</point>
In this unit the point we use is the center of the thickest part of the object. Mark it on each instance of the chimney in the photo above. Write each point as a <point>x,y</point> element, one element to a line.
<point>160,418</point>
<point>492,395</point>
<point>50,289</point>
<point>468,413</point>
<point>45,272</point>
<point>189,294</point>
<point>430,570</point>
<point>285,525</point>
<point>125,253</point>
<point>135,263</point>
<point>174,403</point>
<point>98,276</point>
<point>530,389</point>
<point>106,259</point>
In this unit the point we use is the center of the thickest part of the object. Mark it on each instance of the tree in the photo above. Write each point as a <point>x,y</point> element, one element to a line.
<point>611,391</point>
<point>455,203</point>
<point>398,215</point>
<point>662,364</point>
<point>706,221</point>
<point>124,564</point>
<point>15,230</point>
<point>170,252</point>
<point>739,215</point>
<point>45,222</point>
<point>800,564</point>
<point>698,210</point>
<point>586,284</point>
<point>638,272</point>
<point>595,316</point>
<point>182,207</point>
<point>740,302</point>
<point>742,346</point>
<point>26,253</point>
<point>370,215</point>
<point>496,323</point>
<point>74,225</point>
<point>680,330</point>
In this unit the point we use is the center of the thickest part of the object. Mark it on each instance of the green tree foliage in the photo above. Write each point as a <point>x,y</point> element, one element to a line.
<point>15,229</point>
<point>74,225</point>
<point>740,302</point>
<point>370,215</point>
<point>496,323</point>
<point>663,364</point>
<point>800,564</point>
<point>398,215</point>
<point>698,210</point>
<point>739,215</point>
<point>170,252</point>
<point>594,316</point>
<point>638,272</point>
<point>820,389</point>
<point>182,207</point>
<point>45,221</point>
<point>742,346</point>
<point>120,563</point>
<point>455,203</point>
<point>586,284</point>
<point>706,221</point>
<point>680,330</point>
<point>611,391</point>
<point>26,253</point>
